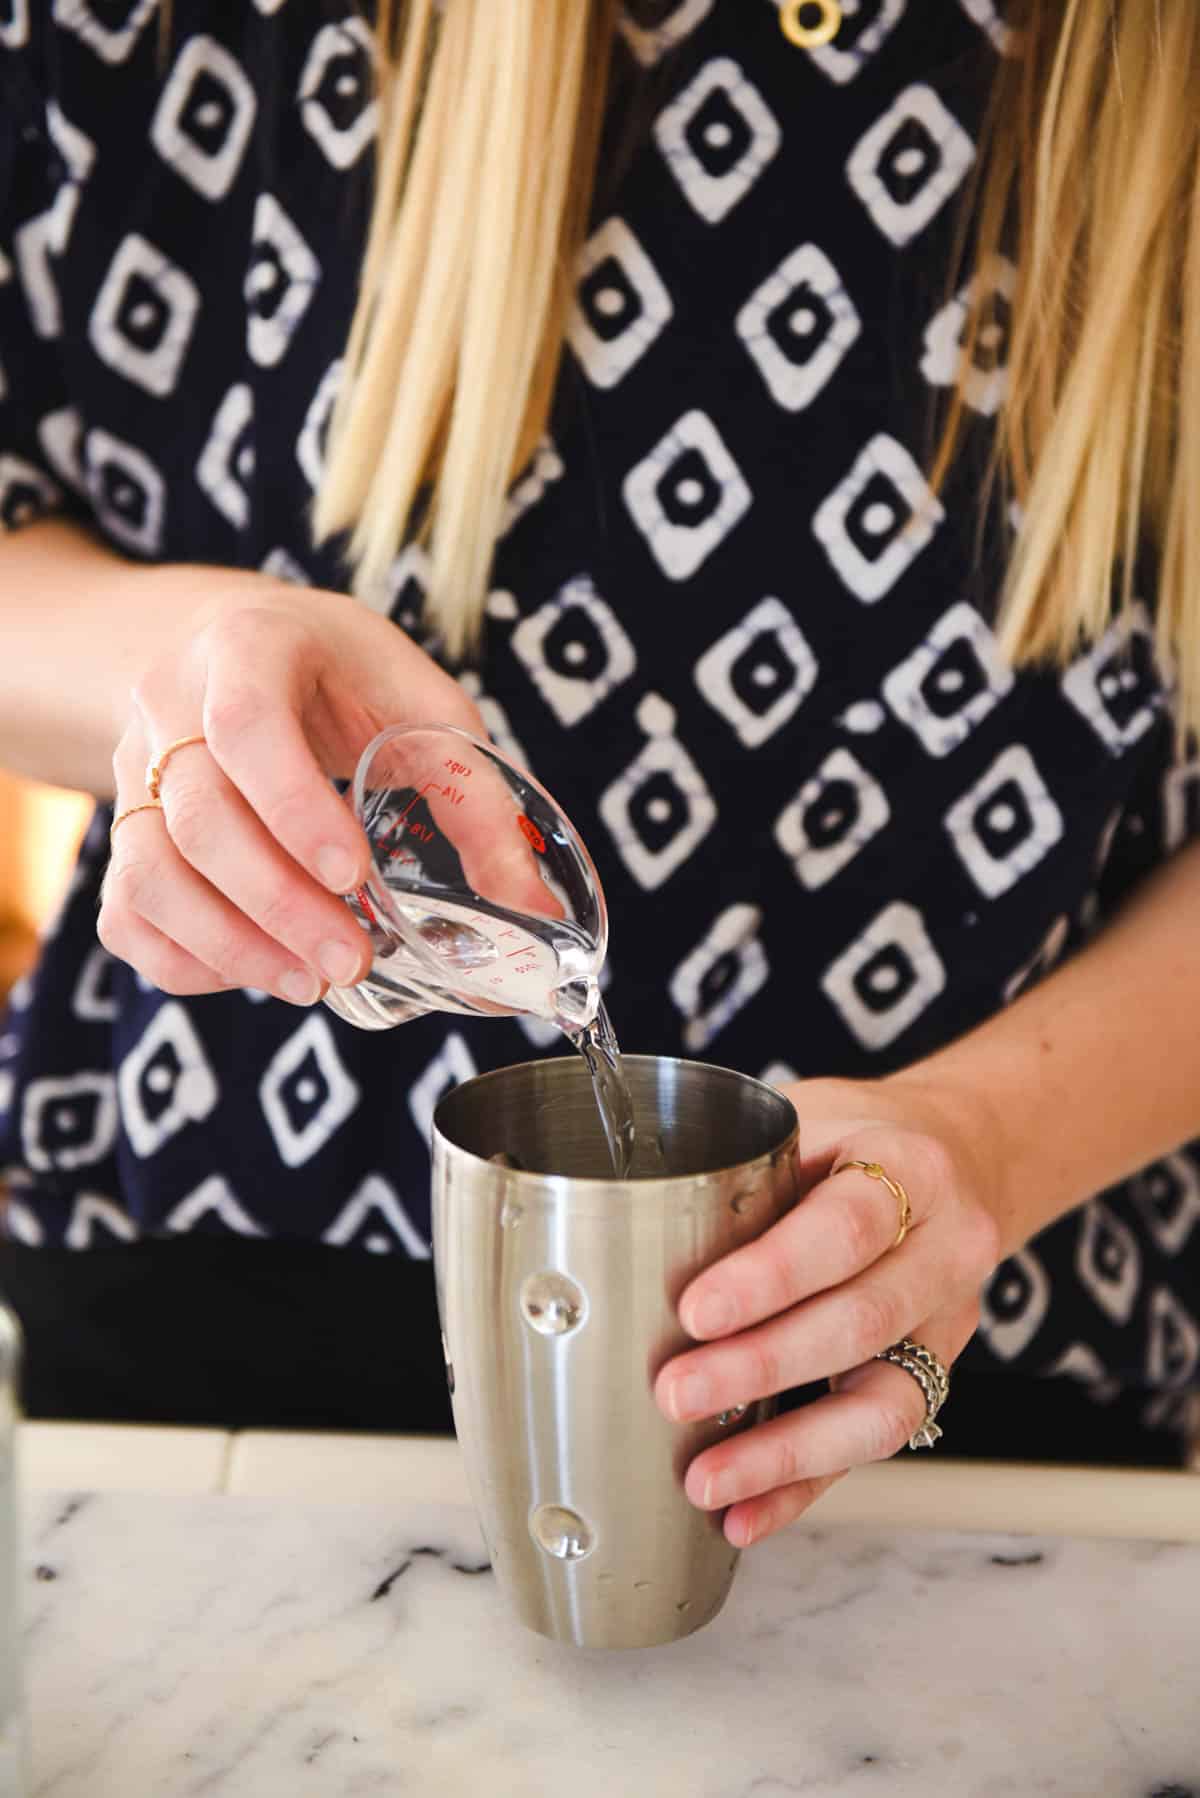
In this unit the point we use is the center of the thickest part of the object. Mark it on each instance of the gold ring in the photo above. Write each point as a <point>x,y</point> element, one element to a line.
<point>810,37</point>
<point>154,767</point>
<point>147,805</point>
<point>873,1168</point>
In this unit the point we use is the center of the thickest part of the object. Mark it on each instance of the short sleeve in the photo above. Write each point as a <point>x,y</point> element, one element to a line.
<point>36,200</point>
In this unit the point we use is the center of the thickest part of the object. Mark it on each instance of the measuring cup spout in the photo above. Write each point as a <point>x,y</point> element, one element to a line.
<point>575,1004</point>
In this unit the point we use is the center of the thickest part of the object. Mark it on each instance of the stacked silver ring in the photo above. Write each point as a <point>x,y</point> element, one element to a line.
<point>925,1368</point>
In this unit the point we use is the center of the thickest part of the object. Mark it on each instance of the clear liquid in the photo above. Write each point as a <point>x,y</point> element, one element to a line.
<point>597,1043</point>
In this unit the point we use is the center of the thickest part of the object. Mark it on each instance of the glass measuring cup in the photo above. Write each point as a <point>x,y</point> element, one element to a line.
<point>481,898</point>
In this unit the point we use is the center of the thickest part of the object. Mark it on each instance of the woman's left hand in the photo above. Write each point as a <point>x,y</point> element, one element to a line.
<point>824,1291</point>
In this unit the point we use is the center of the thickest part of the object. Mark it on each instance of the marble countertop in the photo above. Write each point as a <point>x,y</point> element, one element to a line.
<point>185,1644</point>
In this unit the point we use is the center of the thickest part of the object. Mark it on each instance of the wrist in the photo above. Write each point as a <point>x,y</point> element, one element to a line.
<point>963,1115</point>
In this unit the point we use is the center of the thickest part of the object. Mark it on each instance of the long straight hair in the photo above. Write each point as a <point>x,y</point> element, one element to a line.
<point>487,151</point>
<point>1090,177</point>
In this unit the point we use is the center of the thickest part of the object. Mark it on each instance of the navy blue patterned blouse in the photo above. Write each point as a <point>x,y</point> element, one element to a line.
<point>732,627</point>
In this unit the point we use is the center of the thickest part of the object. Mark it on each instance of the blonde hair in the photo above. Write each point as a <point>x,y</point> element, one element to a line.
<point>1091,176</point>
<point>489,130</point>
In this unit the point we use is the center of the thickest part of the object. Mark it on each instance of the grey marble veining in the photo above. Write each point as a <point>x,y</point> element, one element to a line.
<point>181,1647</point>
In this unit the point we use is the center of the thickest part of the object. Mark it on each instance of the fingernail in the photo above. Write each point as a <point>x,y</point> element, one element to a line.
<point>718,1491</point>
<point>711,1316</point>
<point>336,868</point>
<point>691,1397</point>
<point>299,987</point>
<point>339,963</point>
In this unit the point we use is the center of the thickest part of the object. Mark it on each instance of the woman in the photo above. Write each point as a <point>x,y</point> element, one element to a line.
<point>866,737</point>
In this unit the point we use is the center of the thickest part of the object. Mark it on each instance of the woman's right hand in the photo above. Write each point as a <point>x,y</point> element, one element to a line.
<point>234,882</point>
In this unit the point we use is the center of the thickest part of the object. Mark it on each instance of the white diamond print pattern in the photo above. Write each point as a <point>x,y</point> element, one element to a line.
<point>988,16</point>
<point>47,235</point>
<point>306,1093</point>
<point>950,682</point>
<point>213,1197</point>
<point>111,31</point>
<point>834,815</point>
<point>659,809</point>
<point>984,382</point>
<point>68,1121</point>
<point>798,325</point>
<point>720,976</point>
<point>1173,1351</point>
<point>1115,685</point>
<point>14,30</point>
<point>1168,1197</point>
<point>1005,824</point>
<point>375,1216</point>
<point>620,305</point>
<point>758,673</point>
<point>909,163</point>
<point>1108,1261</point>
<point>717,136</point>
<point>280,281</point>
<point>687,495</point>
<point>92,1213</point>
<point>878,519</point>
<point>225,470</point>
<point>543,471</point>
<point>865,28</point>
<point>165,1082</point>
<point>336,104</point>
<point>205,117</point>
<point>888,976</point>
<point>1014,1304</point>
<point>574,650</point>
<point>310,445</point>
<point>25,493</point>
<point>127,491</point>
<point>93,999</point>
<point>449,1068</point>
<point>649,43</point>
<point>144,316</point>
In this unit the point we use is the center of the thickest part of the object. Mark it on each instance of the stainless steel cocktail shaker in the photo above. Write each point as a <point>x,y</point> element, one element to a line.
<point>558,1288</point>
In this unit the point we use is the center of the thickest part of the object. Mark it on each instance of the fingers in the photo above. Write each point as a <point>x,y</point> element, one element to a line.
<point>823,1335</point>
<point>764,1516</point>
<point>220,837</point>
<point>841,1227</point>
<point>769,1474</point>
<point>149,885</point>
<point>162,962</point>
<point>253,732</point>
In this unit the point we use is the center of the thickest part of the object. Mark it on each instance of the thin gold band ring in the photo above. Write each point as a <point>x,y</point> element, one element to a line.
<point>154,768</point>
<point>146,805</point>
<point>873,1169</point>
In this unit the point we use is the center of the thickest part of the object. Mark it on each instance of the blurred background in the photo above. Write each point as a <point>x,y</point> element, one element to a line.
<point>40,829</point>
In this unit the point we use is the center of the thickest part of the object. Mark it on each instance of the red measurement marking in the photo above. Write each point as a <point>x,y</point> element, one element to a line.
<point>450,793</point>
<point>531,833</point>
<point>503,933</point>
<point>360,893</point>
<point>459,768</point>
<point>522,951</point>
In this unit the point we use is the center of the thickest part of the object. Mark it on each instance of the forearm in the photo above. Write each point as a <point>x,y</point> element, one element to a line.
<point>78,623</point>
<point>1096,1071</point>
